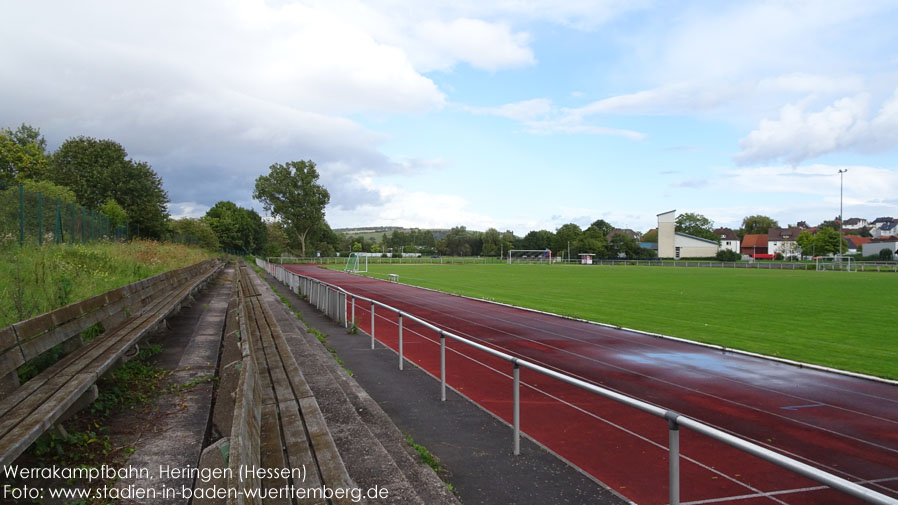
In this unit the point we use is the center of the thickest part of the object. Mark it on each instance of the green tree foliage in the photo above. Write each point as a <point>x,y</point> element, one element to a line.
<point>807,243</point>
<point>116,214</point>
<point>566,235</point>
<point>651,236</point>
<point>198,228</point>
<point>291,192</point>
<point>492,243</point>
<point>97,170</point>
<point>542,239</point>
<point>236,228</point>
<point>22,155</point>
<point>49,190</point>
<point>592,240</point>
<point>886,255</point>
<point>696,225</point>
<point>622,244</point>
<point>603,226</point>
<point>728,255</point>
<point>458,243</point>
<point>756,225</point>
<point>825,241</point>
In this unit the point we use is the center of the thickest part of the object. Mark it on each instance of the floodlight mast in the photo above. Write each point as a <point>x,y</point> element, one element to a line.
<point>841,217</point>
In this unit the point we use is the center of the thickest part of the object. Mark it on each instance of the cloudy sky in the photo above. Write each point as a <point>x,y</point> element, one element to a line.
<point>514,114</point>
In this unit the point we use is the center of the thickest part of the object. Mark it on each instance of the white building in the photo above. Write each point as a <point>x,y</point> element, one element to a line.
<point>885,229</point>
<point>782,240</point>
<point>855,223</point>
<point>675,245</point>
<point>728,240</point>
<point>873,247</point>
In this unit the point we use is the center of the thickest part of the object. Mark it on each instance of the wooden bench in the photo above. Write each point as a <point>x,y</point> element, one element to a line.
<point>128,314</point>
<point>277,422</point>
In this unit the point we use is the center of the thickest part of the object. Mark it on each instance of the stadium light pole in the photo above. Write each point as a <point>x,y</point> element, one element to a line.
<point>841,217</point>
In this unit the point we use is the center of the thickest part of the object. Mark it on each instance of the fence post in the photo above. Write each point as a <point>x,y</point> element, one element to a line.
<point>21,215</point>
<point>442,366</point>
<point>372,325</point>
<point>674,457</point>
<point>353,311</point>
<point>517,408</point>
<point>73,224</point>
<point>57,232</point>
<point>40,218</point>
<point>400,340</point>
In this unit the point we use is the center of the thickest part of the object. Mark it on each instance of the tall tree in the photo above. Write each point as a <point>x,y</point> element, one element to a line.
<point>593,240</point>
<point>696,225</point>
<point>291,191</point>
<point>623,244</point>
<point>97,170</point>
<point>22,155</point>
<point>492,242</point>
<point>237,228</point>
<point>566,238</point>
<point>756,225</point>
<point>603,226</point>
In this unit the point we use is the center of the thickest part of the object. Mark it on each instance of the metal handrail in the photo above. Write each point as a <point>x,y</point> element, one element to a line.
<point>674,419</point>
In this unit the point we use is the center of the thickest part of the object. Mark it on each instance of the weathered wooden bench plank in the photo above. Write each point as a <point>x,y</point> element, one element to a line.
<point>298,449</point>
<point>16,440</point>
<point>272,451</point>
<point>39,403</point>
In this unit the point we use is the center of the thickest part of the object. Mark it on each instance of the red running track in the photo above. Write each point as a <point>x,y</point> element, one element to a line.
<point>844,425</point>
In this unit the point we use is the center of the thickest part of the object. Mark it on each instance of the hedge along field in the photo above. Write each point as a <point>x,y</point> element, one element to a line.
<point>34,279</point>
<point>843,320</point>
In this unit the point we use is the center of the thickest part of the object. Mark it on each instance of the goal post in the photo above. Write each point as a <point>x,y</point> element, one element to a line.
<point>529,256</point>
<point>356,263</point>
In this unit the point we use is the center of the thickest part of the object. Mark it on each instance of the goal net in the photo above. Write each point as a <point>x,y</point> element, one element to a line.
<point>838,264</point>
<point>356,263</point>
<point>529,256</point>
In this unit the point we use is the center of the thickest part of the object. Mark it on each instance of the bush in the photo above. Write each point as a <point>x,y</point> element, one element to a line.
<point>886,255</point>
<point>728,255</point>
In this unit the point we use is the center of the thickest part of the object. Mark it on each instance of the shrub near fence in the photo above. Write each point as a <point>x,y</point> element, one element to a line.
<point>29,217</point>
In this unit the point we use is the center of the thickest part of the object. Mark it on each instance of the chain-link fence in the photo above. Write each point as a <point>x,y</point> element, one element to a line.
<point>33,218</point>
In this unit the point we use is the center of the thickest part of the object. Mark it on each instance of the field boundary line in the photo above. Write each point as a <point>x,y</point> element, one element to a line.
<point>799,364</point>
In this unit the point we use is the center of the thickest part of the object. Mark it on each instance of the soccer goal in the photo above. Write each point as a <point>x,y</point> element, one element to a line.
<point>838,264</point>
<point>529,256</point>
<point>356,263</point>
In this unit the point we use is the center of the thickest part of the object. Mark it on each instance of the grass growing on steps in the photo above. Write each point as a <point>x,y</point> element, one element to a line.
<point>34,280</point>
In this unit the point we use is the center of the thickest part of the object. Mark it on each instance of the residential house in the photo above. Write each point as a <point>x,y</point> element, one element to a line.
<point>885,229</point>
<point>782,241</point>
<point>635,235</point>
<point>728,239</point>
<point>855,243</point>
<point>854,223</point>
<point>754,244</point>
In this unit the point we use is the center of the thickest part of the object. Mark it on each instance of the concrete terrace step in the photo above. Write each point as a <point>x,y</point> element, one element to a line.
<point>372,447</point>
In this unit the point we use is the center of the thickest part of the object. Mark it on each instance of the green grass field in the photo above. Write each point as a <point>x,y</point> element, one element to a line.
<point>836,319</point>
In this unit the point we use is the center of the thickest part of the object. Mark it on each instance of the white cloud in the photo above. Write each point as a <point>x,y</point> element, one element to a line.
<point>845,125</point>
<point>487,46</point>
<point>540,117</point>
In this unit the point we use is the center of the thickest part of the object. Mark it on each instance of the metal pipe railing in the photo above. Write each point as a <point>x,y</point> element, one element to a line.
<point>675,420</point>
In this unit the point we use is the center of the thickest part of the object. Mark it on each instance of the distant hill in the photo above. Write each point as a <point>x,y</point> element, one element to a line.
<point>377,232</point>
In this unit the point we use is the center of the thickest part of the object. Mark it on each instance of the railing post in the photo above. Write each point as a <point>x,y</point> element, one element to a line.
<point>517,408</point>
<point>353,311</point>
<point>674,457</point>
<point>400,340</point>
<point>372,325</point>
<point>442,366</point>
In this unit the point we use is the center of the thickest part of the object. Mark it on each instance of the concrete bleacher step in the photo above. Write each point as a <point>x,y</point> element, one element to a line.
<point>373,449</point>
